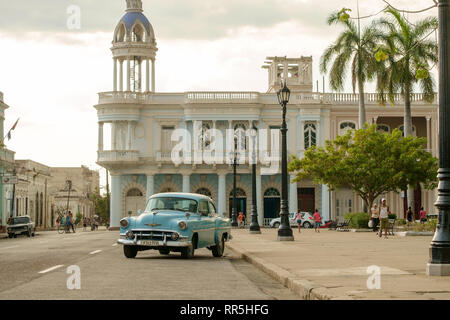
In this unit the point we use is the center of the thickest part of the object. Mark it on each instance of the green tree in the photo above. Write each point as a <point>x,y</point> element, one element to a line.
<point>355,50</point>
<point>369,162</point>
<point>410,57</point>
<point>101,205</point>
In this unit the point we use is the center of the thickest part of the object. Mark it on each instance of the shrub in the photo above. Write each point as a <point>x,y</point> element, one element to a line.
<point>358,220</point>
<point>78,218</point>
<point>392,216</point>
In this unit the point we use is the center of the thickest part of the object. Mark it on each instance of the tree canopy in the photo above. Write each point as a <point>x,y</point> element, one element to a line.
<point>369,162</point>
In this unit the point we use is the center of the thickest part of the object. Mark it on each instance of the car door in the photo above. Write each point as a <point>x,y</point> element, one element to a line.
<point>207,225</point>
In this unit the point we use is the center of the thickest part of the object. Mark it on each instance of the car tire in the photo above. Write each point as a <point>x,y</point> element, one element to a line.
<point>10,235</point>
<point>164,251</point>
<point>188,252</point>
<point>15,236</point>
<point>130,251</point>
<point>217,250</point>
<point>29,233</point>
<point>307,225</point>
<point>276,225</point>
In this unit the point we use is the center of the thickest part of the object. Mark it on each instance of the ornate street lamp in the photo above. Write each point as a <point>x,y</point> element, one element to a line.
<point>234,158</point>
<point>439,264</point>
<point>254,226</point>
<point>69,186</point>
<point>284,231</point>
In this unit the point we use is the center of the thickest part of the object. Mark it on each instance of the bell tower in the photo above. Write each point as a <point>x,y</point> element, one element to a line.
<point>134,49</point>
<point>297,72</point>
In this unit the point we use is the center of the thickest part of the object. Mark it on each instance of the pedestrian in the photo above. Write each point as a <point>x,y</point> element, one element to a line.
<point>72,221</point>
<point>409,215</point>
<point>317,221</point>
<point>68,222</point>
<point>423,215</point>
<point>241,219</point>
<point>299,217</point>
<point>58,222</point>
<point>375,218</point>
<point>84,223</point>
<point>383,213</point>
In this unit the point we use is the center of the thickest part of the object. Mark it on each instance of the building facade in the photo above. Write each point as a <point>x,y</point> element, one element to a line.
<point>164,142</point>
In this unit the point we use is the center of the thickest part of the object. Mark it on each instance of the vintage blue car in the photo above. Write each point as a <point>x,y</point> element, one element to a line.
<point>178,222</point>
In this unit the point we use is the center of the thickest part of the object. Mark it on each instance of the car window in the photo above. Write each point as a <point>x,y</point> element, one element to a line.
<point>212,208</point>
<point>203,207</point>
<point>19,220</point>
<point>172,203</point>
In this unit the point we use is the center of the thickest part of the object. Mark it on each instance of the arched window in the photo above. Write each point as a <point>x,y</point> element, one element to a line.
<point>239,132</point>
<point>271,193</point>
<point>137,35</point>
<point>135,192</point>
<point>167,190</point>
<point>120,34</point>
<point>383,128</point>
<point>346,126</point>
<point>239,193</point>
<point>310,135</point>
<point>414,134</point>
<point>204,192</point>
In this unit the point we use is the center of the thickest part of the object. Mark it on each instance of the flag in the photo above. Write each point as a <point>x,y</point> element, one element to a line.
<point>13,127</point>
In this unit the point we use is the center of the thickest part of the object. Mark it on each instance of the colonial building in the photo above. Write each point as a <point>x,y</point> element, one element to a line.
<point>142,155</point>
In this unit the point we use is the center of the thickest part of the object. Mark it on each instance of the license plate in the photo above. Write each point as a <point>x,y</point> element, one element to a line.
<point>149,243</point>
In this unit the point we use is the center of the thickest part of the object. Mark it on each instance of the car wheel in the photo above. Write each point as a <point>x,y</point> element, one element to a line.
<point>188,252</point>
<point>164,251</point>
<point>276,225</point>
<point>29,233</point>
<point>130,251</point>
<point>218,249</point>
<point>10,235</point>
<point>15,236</point>
<point>307,225</point>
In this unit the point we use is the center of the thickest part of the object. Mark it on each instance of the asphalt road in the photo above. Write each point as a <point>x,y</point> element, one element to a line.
<point>37,268</point>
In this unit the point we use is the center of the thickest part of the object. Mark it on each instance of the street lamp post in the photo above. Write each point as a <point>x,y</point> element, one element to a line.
<point>234,155</point>
<point>254,226</point>
<point>439,264</point>
<point>284,231</point>
<point>69,185</point>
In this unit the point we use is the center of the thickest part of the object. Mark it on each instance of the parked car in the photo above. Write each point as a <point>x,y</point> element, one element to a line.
<point>307,220</point>
<point>20,225</point>
<point>176,222</point>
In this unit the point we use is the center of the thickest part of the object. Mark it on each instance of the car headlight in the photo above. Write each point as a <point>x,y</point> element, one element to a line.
<point>124,223</point>
<point>174,236</point>
<point>130,234</point>
<point>182,225</point>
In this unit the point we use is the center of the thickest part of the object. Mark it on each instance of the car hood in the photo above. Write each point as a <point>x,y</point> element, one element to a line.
<point>159,219</point>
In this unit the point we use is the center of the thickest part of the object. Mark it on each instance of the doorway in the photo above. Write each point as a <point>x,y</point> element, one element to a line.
<point>306,199</point>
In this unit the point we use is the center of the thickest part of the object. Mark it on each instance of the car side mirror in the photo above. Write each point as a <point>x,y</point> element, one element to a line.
<point>139,212</point>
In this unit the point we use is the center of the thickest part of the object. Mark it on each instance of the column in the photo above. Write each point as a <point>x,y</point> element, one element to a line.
<point>153,75</point>
<point>293,197</point>
<point>140,76</point>
<point>325,203</point>
<point>259,200</point>
<point>100,136</point>
<point>222,200</point>
<point>113,136</point>
<point>115,75</point>
<point>318,134</point>
<point>150,185</point>
<point>429,134</point>
<point>186,183</point>
<point>130,134</point>
<point>121,75</point>
<point>302,135</point>
<point>116,202</point>
<point>128,74</point>
<point>147,74</point>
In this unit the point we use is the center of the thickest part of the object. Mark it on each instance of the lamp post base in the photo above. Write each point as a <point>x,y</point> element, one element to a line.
<point>255,232</point>
<point>436,269</point>
<point>285,238</point>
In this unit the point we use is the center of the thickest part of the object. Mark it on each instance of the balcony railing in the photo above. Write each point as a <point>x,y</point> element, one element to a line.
<point>222,97</point>
<point>118,155</point>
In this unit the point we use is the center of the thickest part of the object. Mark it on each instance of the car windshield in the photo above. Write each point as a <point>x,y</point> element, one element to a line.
<point>19,220</point>
<point>172,203</point>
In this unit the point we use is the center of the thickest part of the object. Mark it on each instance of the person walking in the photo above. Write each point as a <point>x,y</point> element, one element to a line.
<point>383,213</point>
<point>298,218</point>
<point>317,221</point>
<point>375,218</point>
<point>68,222</point>
<point>409,215</point>
<point>423,215</point>
<point>84,223</point>
<point>241,219</point>
<point>72,221</point>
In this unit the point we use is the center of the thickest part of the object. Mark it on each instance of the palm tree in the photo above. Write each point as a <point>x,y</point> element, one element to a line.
<point>355,50</point>
<point>410,56</point>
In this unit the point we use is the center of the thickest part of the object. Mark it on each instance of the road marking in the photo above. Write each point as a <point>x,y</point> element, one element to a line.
<point>51,269</point>
<point>11,247</point>
<point>96,251</point>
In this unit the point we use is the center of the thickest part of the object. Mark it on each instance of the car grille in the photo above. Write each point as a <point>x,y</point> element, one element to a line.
<point>152,235</point>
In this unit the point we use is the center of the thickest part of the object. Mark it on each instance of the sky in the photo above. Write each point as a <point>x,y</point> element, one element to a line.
<point>51,72</point>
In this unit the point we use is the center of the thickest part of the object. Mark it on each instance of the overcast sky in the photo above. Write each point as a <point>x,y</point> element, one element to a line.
<point>50,75</point>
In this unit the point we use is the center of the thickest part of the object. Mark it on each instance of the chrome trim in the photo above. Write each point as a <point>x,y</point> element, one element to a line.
<point>161,243</point>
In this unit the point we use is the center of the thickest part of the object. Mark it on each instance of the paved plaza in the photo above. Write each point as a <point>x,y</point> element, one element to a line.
<point>333,265</point>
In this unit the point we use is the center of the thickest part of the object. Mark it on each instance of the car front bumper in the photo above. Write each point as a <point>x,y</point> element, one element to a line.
<point>128,242</point>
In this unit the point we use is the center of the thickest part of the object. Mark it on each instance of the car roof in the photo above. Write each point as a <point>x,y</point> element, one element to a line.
<point>193,196</point>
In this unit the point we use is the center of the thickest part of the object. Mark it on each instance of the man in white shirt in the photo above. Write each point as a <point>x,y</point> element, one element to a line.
<point>383,213</point>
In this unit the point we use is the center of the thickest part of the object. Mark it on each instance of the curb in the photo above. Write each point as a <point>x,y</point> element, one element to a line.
<point>414,233</point>
<point>305,289</point>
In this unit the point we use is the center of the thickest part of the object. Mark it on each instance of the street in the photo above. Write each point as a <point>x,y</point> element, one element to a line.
<point>37,268</point>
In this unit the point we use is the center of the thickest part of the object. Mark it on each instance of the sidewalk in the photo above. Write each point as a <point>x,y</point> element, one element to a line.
<point>333,265</point>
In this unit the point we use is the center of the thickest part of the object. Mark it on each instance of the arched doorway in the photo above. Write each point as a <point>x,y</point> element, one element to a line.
<point>134,202</point>
<point>204,191</point>
<point>241,201</point>
<point>271,203</point>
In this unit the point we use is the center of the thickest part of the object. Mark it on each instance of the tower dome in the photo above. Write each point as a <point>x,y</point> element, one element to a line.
<point>134,43</point>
